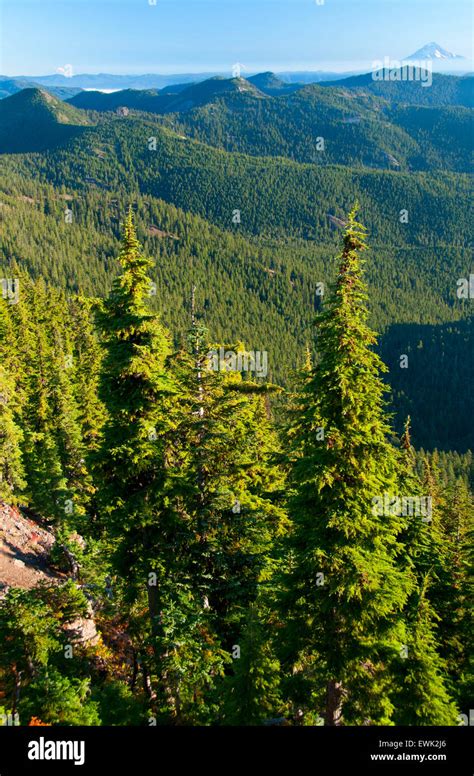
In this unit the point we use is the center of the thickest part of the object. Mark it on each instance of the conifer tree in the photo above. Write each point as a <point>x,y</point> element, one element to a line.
<point>87,363</point>
<point>47,484</point>
<point>252,694</point>
<point>345,589</point>
<point>234,486</point>
<point>420,689</point>
<point>136,389</point>
<point>12,482</point>
<point>138,471</point>
<point>12,473</point>
<point>67,429</point>
<point>450,589</point>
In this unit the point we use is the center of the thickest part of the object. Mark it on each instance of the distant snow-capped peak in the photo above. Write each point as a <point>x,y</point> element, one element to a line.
<point>433,51</point>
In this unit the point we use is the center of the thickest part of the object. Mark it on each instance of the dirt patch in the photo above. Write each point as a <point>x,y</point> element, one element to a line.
<point>25,547</point>
<point>339,222</point>
<point>155,232</point>
<point>24,550</point>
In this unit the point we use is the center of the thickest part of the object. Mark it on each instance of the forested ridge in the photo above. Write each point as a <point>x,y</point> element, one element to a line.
<point>258,279</point>
<point>251,548</point>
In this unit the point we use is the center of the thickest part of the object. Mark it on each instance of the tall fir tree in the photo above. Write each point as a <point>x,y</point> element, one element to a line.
<point>234,486</point>
<point>450,589</point>
<point>139,475</point>
<point>231,489</point>
<point>346,586</point>
<point>34,326</point>
<point>419,687</point>
<point>12,480</point>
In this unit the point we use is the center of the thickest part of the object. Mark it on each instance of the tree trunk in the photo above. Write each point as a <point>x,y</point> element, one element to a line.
<point>133,680</point>
<point>147,688</point>
<point>16,693</point>
<point>334,694</point>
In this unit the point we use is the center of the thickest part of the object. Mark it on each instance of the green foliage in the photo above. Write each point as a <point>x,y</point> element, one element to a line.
<point>117,705</point>
<point>115,428</point>
<point>58,700</point>
<point>29,631</point>
<point>12,482</point>
<point>419,692</point>
<point>251,694</point>
<point>33,670</point>
<point>348,581</point>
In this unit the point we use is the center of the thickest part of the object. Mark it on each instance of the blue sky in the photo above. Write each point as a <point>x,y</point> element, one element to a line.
<point>176,36</point>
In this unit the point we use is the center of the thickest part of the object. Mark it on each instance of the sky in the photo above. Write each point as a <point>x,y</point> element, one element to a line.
<point>37,37</point>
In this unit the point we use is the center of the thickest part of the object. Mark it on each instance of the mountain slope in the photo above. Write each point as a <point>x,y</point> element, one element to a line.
<point>269,83</point>
<point>433,51</point>
<point>210,90</point>
<point>149,100</point>
<point>442,136</point>
<point>183,99</point>
<point>356,126</point>
<point>329,126</point>
<point>444,90</point>
<point>9,86</point>
<point>213,183</point>
<point>33,120</point>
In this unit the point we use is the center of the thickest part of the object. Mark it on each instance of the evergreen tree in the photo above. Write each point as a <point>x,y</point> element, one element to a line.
<point>450,591</point>
<point>47,483</point>
<point>87,356</point>
<point>66,425</point>
<point>12,482</point>
<point>233,484</point>
<point>345,589</point>
<point>420,693</point>
<point>138,470</point>
<point>251,695</point>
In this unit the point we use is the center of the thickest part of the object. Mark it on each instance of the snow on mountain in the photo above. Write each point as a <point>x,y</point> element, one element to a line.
<point>432,51</point>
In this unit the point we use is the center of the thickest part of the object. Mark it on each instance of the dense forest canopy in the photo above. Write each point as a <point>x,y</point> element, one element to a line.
<point>287,544</point>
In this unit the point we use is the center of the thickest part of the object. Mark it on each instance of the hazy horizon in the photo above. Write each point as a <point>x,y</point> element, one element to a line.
<point>172,37</point>
<point>443,66</point>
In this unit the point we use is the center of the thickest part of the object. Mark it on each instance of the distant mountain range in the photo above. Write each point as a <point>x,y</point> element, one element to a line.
<point>9,86</point>
<point>282,82</point>
<point>363,122</point>
<point>445,90</point>
<point>109,82</point>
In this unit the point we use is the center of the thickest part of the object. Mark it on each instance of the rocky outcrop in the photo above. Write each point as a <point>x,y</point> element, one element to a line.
<point>25,548</point>
<point>82,630</point>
